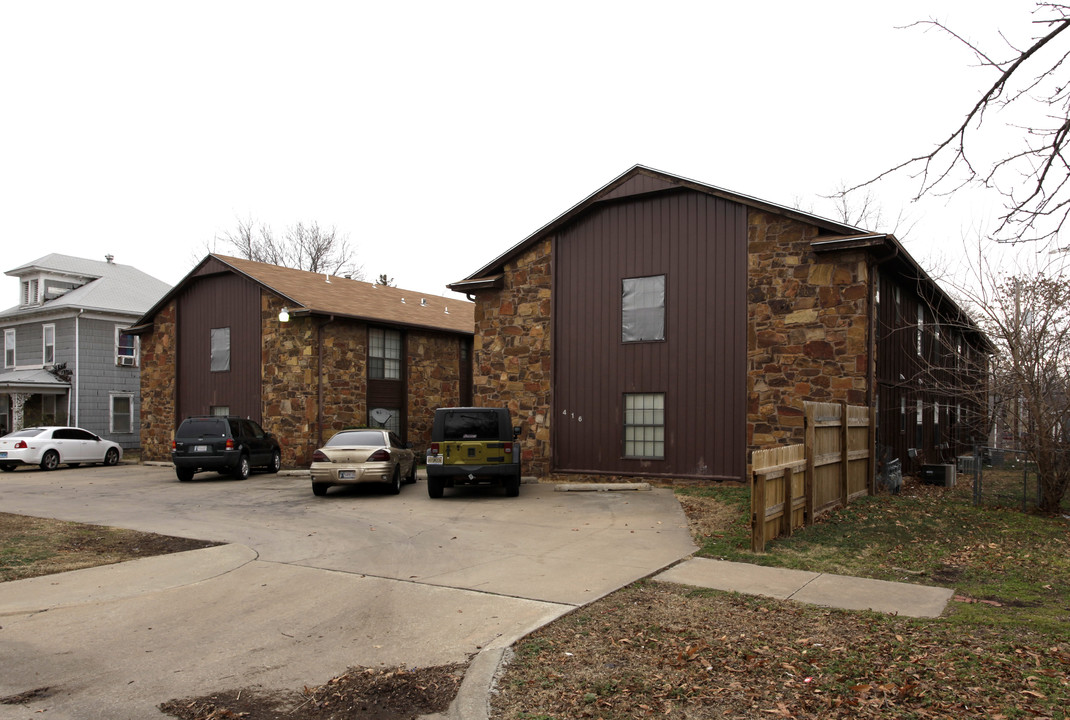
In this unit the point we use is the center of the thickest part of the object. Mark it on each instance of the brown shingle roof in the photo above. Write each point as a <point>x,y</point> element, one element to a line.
<point>311,292</point>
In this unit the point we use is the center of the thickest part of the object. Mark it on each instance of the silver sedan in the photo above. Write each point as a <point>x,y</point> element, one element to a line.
<point>363,455</point>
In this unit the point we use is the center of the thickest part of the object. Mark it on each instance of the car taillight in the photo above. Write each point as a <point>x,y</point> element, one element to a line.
<point>230,443</point>
<point>320,456</point>
<point>21,445</point>
<point>379,456</point>
<point>434,448</point>
<point>174,445</point>
<point>509,448</point>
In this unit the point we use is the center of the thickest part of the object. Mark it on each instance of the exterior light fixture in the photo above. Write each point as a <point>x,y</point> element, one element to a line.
<point>284,315</point>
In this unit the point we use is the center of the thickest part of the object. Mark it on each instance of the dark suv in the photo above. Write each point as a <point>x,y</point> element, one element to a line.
<point>473,446</point>
<point>224,444</point>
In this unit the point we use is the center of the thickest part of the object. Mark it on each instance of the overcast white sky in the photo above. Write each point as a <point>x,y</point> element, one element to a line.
<point>439,134</point>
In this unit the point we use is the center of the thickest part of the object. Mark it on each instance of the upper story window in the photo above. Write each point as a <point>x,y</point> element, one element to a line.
<point>9,348</point>
<point>384,354</point>
<point>643,309</point>
<point>31,292</point>
<point>48,344</point>
<point>220,349</point>
<point>126,348</point>
<point>921,328</point>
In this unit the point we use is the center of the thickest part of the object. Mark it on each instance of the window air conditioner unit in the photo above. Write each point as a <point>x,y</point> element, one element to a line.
<point>127,360</point>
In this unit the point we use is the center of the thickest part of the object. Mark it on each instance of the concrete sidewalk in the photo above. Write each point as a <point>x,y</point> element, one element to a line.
<point>837,591</point>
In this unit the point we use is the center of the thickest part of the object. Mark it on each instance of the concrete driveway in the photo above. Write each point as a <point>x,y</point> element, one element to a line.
<point>311,585</point>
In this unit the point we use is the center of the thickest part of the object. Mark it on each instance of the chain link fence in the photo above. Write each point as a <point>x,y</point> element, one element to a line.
<point>1003,478</point>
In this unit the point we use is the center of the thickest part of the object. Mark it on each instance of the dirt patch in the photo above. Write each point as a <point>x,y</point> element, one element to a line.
<point>359,694</point>
<point>31,546</point>
<point>707,516</point>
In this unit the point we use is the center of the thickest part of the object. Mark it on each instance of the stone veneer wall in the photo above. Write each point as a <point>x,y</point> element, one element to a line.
<point>433,382</point>
<point>289,367</point>
<point>158,362</point>
<point>807,328</point>
<point>512,352</point>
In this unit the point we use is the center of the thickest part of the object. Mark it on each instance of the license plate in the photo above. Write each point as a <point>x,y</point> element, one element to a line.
<point>347,474</point>
<point>434,459</point>
<point>200,448</point>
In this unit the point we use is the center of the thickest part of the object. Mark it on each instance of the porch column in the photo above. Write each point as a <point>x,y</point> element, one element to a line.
<point>18,402</point>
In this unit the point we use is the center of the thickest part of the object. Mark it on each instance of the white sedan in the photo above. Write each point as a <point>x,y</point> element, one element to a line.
<point>50,446</point>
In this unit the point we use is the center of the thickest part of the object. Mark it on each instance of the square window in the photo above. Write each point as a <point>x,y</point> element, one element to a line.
<point>643,309</point>
<point>644,425</point>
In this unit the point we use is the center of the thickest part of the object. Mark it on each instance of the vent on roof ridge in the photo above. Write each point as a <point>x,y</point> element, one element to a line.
<point>446,310</point>
<point>326,278</point>
<point>402,301</point>
<point>423,302</point>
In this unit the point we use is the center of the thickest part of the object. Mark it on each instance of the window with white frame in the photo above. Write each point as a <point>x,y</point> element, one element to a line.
<point>220,349</point>
<point>126,348</point>
<point>384,354</point>
<point>644,425</point>
<point>122,414</point>
<point>642,317</point>
<point>9,348</point>
<point>30,292</point>
<point>48,344</point>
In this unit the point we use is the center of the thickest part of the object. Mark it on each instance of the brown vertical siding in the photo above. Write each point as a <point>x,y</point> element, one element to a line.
<point>699,243</point>
<point>217,301</point>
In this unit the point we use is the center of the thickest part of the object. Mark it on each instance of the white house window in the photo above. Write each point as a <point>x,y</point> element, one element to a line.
<point>384,354</point>
<point>122,413</point>
<point>220,349</point>
<point>48,343</point>
<point>644,425</point>
<point>9,348</point>
<point>643,309</point>
<point>30,292</point>
<point>126,348</point>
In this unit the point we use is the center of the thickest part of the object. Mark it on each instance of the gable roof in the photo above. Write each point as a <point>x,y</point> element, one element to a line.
<point>309,293</point>
<point>108,286</point>
<point>638,181</point>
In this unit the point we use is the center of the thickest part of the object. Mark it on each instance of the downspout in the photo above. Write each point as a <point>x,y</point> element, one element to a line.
<point>319,380</point>
<point>871,366</point>
<point>77,372</point>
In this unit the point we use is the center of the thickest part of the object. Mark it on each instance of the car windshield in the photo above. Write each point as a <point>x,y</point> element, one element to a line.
<point>201,428</point>
<point>359,438</point>
<point>471,426</point>
<point>27,432</point>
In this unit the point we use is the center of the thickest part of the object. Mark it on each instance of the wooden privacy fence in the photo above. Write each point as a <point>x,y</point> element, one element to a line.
<point>795,484</point>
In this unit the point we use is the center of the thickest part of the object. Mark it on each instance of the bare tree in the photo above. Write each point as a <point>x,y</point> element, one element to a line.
<point>384,280</point>
<point>1031,92</point>
<point>1026,314</point>
<point>305,247</point>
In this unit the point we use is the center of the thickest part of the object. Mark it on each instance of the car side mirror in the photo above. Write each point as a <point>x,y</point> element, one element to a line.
<point>408,446</point>
<point>516,432</point>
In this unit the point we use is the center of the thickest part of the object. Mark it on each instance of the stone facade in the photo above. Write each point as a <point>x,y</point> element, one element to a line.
<point>158,357</point>
<point>807,335</point>
<point>434,369</point>
<point>290,368</point>
<point>512,352</point>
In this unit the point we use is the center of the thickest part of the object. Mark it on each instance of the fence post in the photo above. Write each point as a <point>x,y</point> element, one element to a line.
<point>808,478</point>
<point>786,520</point>
<point>976,474</point>
<point>757,506</point>
<point>845,434</point>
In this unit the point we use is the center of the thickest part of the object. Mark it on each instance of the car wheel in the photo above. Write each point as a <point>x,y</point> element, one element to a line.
<point>184,474</point>
<point>319,489</point>
<point>50,461</point>
<point>7,467</point>
<point>111,457</point>
<point>434,487</point>
<point>241,470</point>
<point>395,484</point>
<point>512,486</point>
<point>276,462</point>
